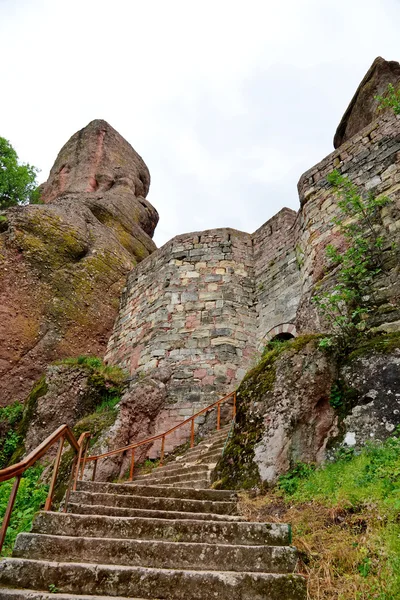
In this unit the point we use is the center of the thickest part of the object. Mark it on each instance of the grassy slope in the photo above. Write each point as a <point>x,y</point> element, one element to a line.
<point>346,524</point>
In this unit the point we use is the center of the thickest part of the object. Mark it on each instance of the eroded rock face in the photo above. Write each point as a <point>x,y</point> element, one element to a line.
<point>64,263</point>
<point>363,107</point>
<point>298,417</point>
<point>300,406</point>
<point>375,380</point>
<point>137,412</point>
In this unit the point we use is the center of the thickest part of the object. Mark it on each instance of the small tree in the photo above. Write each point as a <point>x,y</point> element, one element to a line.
<point>17,181</point>
<point>345,306</point>
<point>390,99</point>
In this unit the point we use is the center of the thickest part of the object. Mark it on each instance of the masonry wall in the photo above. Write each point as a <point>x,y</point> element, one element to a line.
<point>371,160</point>
<point>202,306</point>
<point>190,309</point>
<point>277,274</point>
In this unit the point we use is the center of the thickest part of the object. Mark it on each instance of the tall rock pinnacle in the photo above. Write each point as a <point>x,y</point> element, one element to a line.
<point>64,262</point>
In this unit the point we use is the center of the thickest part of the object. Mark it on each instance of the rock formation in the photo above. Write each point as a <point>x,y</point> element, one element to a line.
<point>363,107</point>
<point>63,263</point>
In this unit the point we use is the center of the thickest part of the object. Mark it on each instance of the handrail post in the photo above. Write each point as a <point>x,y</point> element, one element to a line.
<point>162,450</point>
<point>218,416</point>
<point>70,482</point>
<point>234,405</point>
<point>85,444</point>
<point>49,498</point>
<point>132,465</point>
<point>10,506</point>
<point>192,434</point>
<point>94,470</point>
<point>78,465</point>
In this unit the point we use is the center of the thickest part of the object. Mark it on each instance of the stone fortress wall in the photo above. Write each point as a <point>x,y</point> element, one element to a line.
<point>205,303</point>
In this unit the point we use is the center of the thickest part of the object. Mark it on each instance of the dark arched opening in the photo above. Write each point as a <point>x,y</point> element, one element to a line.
<point>282,337</point>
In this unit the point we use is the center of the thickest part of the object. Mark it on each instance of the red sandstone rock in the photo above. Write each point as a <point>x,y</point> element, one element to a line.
<point>363,107</point>
<point>64,263</point>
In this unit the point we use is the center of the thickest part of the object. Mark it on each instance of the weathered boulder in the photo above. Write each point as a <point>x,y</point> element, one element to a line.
<point>371,387</point>
<point>363,107</point>
<point>64,263</point>
<point>137,412</point>
<point>299,405</point>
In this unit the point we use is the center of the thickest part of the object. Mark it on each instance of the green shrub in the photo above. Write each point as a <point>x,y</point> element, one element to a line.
<point>390,99</point>
<point>30,498</point>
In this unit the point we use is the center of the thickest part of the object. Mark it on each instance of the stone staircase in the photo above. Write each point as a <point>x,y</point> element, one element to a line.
<point>164,536</point>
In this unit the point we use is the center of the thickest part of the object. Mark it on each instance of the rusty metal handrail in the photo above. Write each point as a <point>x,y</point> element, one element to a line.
<point>62,434</point>
<point>162,436</point>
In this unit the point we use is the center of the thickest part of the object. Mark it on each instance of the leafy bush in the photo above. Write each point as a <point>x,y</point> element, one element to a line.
<point>10,418</point>
<point>345,518</point>
<point>18,183</point>
<point>390,99</point>
<point>345,305</point>
<point>110,373</point>
<point>30,498</point>
<point>290,481</point>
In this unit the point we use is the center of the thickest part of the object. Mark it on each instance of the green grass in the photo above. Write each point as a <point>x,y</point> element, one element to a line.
<point>110,373</point>
<point>365,490</point>
<point>30,498</point>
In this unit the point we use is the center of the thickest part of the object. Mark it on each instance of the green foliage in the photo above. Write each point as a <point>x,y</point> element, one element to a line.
<point>12,414</point>
<point>289,481</point>
<point>342,397</point>
<point>109,373</point>
<point>17,181</point>
<point>10,440</point>
<point>109,403</point>
<point>390,99</point>
<point>30,498</point>
<point>53,589</point>
<point>336,399</point>
<point>371,476</point>
<point>345,306</point>
<point>367,486</point>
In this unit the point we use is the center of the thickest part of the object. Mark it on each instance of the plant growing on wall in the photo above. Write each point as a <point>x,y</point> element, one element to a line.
<point>345,305</point>
<point>390,99</point>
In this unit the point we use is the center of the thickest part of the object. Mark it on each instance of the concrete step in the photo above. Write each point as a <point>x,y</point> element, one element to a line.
<point>118,511</point>
<point>210,458</point>
<point>155,503</point>
<point>195,484</point>
<point>207,448</point>
<point>112,580</point>
<point>35,595</point>
<point>156,491</point>
<point>184,530</point>
<point>177,470</point>
<point>156,553</point>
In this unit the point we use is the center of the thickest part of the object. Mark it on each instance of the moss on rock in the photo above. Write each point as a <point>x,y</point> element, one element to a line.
<point>238,469</point>
<point>382,343</point>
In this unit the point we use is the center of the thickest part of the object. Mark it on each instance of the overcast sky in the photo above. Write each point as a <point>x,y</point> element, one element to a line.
<point>228,102</point>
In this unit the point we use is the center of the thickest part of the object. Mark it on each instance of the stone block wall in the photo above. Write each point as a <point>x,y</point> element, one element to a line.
<point>371,160</point>
<point>190,308</point>
<point>203,306</point>
<point>276,273</point>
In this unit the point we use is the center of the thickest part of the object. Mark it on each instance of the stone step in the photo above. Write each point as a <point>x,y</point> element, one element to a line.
<point>184,530</point>
<point>201,450</point>
<point>155,503</point>
<point>196,484</point>
<point>156,553</point>
<point>174,584</point>
<point>118,511</point>
<point>162,472</point>
<point>156,491</point>
<point>206,459</point>
<point>35,595</point>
